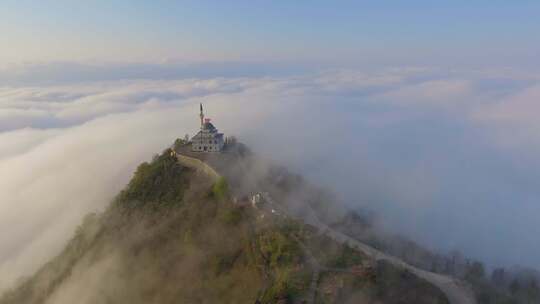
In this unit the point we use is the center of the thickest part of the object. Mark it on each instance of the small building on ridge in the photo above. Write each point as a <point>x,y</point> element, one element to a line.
<point>208,139</point>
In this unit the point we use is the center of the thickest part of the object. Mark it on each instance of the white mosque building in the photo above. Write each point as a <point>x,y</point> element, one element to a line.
<point>208,139</point>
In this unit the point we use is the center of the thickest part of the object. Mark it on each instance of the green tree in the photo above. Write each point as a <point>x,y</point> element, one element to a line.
<point>533,291</point>
<point>515,287</point>
<point>220,189</point>
<point>475,272</point>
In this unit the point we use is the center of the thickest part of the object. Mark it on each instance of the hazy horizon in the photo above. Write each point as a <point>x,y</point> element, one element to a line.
<point>422,113</point>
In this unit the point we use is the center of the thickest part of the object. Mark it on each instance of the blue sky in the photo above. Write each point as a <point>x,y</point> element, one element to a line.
<point>332,32</point>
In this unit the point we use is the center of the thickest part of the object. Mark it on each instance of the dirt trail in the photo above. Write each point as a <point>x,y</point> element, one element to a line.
<point>455,291</point>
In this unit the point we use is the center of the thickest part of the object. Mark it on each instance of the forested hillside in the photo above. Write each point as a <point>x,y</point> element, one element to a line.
<point>174,236</point>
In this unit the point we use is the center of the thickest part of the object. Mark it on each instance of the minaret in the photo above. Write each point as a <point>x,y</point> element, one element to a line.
<point>202,117</point>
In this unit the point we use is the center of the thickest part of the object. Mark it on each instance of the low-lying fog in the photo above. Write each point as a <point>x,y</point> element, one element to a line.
<point>447,158</point>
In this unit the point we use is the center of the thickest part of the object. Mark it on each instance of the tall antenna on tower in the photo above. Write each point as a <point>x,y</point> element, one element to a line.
<point>202,116</point>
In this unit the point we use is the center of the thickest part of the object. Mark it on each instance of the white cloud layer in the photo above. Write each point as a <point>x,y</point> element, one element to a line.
<point>427,149</point>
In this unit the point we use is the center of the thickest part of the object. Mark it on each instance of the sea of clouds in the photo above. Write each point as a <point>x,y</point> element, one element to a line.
<point>447,157</point>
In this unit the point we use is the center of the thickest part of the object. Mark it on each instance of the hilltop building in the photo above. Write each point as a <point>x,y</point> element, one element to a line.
<point>208,139</point>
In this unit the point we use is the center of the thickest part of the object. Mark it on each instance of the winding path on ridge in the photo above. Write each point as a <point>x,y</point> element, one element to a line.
<point>456,291</point>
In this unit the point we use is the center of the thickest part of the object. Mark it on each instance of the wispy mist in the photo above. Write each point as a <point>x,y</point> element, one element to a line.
<point>448,158</point>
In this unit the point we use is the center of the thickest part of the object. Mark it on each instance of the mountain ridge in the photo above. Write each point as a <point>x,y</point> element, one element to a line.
<point>175,235</point>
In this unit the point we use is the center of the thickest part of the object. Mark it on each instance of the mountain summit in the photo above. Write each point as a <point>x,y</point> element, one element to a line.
<point>185,232</point>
